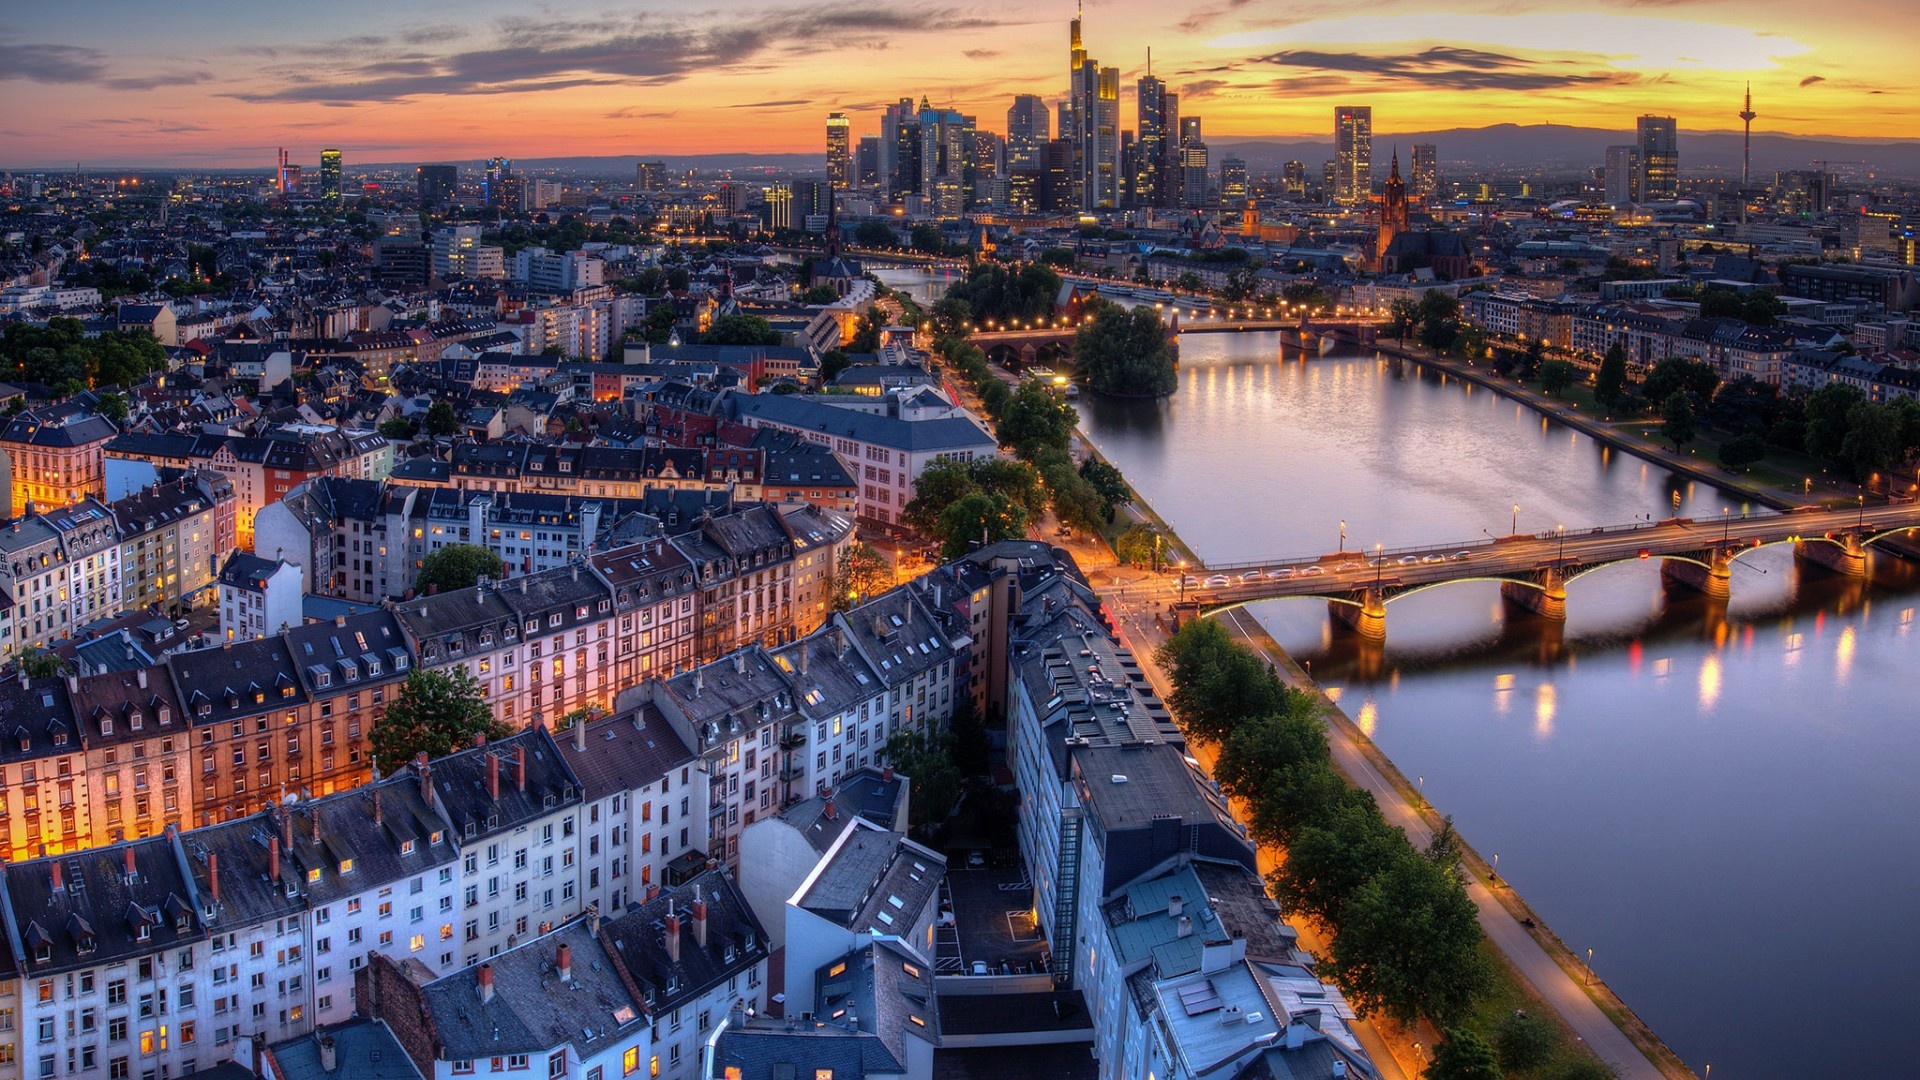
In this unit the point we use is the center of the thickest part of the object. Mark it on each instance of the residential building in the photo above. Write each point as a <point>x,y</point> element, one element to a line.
<point>172,537</point>
<point>259,598</point>
<point>628,765</point>
<point>55,454</point>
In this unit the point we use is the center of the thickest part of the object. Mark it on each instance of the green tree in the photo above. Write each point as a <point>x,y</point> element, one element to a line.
<point>1676,419</point>
<point>1531,358</point>
<point>1075,501</point>
<point>1036,418</point>
<point>740,330</point>
<point>1108,481</point>
<point>866,339</point>
<point>981,516</point>
<point>113,406</point>
<point>1017,480</point>
<point>972,747</point>
<point>1557,375</point>
<point>1610,384</point>
<point>397,428</point>
<point>1742,450</point>
<point>874,234</point>
<point>658,329</point>
<point>441,419</point>
<point>435,712</point>
<point>1827,411</point>
<point>1137,546</point>
<point>457,566</point>
<point>1696,378</point>
<point>940,485</point>
<point>820,294</point>
<point>861,574</point>
<point>1744,405</point>
<point>41,664</point>
<point>1124,352</point>
<point>1872,443</point>
<point>1403,317</point>
<point>1409,945</point>
<point>832,364</point>
<point>928,239</point>
<point>926,759</point>
<point>1462,1055</point>
<point>1523,1042</point>
<point>952,317</point>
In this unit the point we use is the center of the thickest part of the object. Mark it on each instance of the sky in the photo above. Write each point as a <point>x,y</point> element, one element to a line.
<point>223,83</point>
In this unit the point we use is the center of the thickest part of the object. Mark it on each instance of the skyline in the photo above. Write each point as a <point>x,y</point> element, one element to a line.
<point>461,81</point>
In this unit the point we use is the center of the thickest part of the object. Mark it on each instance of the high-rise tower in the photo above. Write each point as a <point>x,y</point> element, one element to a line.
<point>330,177</point>
<point>1352,153</point>
<point>1028,128</point>
<point>1747,116</point>
<point>1093,124</point>
<point>839,151</point>
<point>1658,143</point>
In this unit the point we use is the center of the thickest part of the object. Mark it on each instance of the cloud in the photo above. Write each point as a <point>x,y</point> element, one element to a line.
<point>69,64</point>
<point>631,113</point>
<point>154,82</point>
<point>1201,18</point>
<point>771,104</point>
<point>980,54</point>
<point>1811,79</point>
<point>1203,88</point>
<point>1445,67</point>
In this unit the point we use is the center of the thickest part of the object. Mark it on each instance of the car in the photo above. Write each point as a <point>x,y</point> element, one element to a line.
<point>1462,556</point>
<point>1219,581</point>
<point>1433,558</point>
<point>1313,571</point>
<point>976,860</point>
<point>1409,560</point>
<point>1251,575</point>
<point>1349,567</point>
<point>979,967</point>
<point>1281,574</point>
<point>1190,582</point>
<point>179,624</point>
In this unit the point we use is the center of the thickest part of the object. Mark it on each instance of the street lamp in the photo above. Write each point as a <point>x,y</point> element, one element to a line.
<point>1559,560</point>
<point>1343,535</point>
<point>1589,967</point>
<point>1515,531</point>
<point>1496,866</point>
<point>1379,564</point>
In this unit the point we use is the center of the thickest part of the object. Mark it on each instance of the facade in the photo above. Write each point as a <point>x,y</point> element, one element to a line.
<point>1426,173</point>
<point>172,536</point>
<point>1623,174</point>
<point>1657,145</point>
<point>259,598</point>
<point>1352,154</point>
<point>839,151</point>
<point>55,454</point>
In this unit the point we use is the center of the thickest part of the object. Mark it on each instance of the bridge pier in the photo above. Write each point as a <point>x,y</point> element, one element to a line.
<point>1716,581</point>
<point>1367,619</point>
<point>1843,555</point>
<point>1548,600</point>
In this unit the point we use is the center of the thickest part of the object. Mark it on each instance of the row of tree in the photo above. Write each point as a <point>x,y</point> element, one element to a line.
<point>1125,352</point>
<point>60,355</point>
<point>1406,939</point>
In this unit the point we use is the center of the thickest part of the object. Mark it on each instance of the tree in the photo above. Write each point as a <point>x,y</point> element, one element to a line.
<point>1034,419</point>
<point>1827,411</point>
<point>820,294</point>
<point>861,573</point>
<point>971,746</point>
<point>457,566</point>
<point>1872,443</point>
<point>1531,358</point>
<point>397,428</point>
<point>927,238</point>
<point>1523,1042</point>
<point>1585,1068</point>
<point>41,664</point>
<point>832,364</point>
<point>874,234</point>
<point>1137,546</point>
<point>740,330</point>
<point>1694,377</point>
<point>939,486</point>
<point>1744,405</point>
<point>1108,481</point>
<point>435,712</point>
<point>979,516</point>
<point>114,407</point>
<point>1017,480</point>
<point>1403,317</point>
<point>1462,1055</point>
<point>1409,944</point>
<point>1742,451</point>
<point>441,419</point>
<point>1124,352</point>
<point>927,760</point>
<point>1610,384</point>
<point>1557,375</point>
<point>1075,501</point>
<point>1676,415</point>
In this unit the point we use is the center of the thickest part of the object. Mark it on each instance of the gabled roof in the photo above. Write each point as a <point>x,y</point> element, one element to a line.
<point>525,769</point>
<point>86,910</point>
<point>623,753</point>
<point>735,941</point>
<point>530,1009</point>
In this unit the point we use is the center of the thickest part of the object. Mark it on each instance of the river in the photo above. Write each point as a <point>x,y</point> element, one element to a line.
<point>1716,799</point>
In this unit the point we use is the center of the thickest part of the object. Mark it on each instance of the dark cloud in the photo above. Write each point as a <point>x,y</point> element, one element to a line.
<point>647,49</point>
<point>771,104</point>
<point>1811,79</point>
<point>1203,88</point>
<point>1450,68</point>
<point>154,82</point>
<point>631,113</point>
<point>980,54</point>
<point>69,64</point>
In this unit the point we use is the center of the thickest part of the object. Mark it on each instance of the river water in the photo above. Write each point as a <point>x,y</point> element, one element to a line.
<point>1718,800</point>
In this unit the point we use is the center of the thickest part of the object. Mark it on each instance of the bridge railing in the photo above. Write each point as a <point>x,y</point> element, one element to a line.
<point>1366,555</point>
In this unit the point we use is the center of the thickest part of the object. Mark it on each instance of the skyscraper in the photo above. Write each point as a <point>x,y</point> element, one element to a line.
<point>650,175</point>
<point>287,179</point>
<point>1193,164</point>
<point>900,149</point>
<point>1623,175</point>
<point>1353,153</point>
<point>1150,143</point>
<point>839,151</point>
<point>494,191</point>
<point>1426,172</point>
<point>866,162</point>
<point>1293,178</point>
<point>330,177</point>
<point>1094,115</point>
<point>1233,181</point>
<point>779,216</point>
<point>436,184</point>
<point>946,144</point>
<point>1659,144</point>
<point>1028,129</point>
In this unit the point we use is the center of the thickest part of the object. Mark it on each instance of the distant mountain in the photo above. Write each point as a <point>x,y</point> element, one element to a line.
<point>621,166</point>
<point>1552,147</point>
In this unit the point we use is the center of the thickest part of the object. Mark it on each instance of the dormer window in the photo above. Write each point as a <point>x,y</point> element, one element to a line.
<point>106,726</point>
<point>285,691</point>
<point>166,716</point>
<point>313,876</point>
<point>434,836</point>
<point>346,866</point>
<point>323,679</point>
<point>373,667</point>
<point>406,847</point>
<point>259,696</point>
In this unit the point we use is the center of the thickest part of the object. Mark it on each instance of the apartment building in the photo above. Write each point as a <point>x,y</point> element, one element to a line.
<point>56,453</point>
<point>172,538</point>
<point>629,766</point>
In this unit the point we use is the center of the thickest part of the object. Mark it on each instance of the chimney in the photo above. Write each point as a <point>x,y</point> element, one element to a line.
<point>376,806</point>
<point>886,773</point>
<point>803,657</point>
<point>486,983</point>
<point>565,962</point>
<point>479,740</point>
<point>520,766</point>
<point>493,776</point>
<point>132,871</point>
<point>1186,926</point>
<point>699,681</point>
<point>740,662</point>
<point>329,1058</point>
<point>273,859</point>
<point>673,938</point>
<point>141,677</point>
<point>828,812</point>
<point>213,876</point>
<point>580,735</point>
<point>653,892</point>
<point>699,908</point>
<point>593,919</point>
<point>58,885</point>
<point>426,777</point>
<point>313,819</point>
<point>286,829</point>
<point>1176,905</point>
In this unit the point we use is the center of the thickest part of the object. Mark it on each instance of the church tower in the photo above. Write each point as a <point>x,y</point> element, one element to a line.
<point>1393,213</point>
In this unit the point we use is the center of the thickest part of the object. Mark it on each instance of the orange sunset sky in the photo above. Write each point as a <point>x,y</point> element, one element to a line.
<point>221,83</point>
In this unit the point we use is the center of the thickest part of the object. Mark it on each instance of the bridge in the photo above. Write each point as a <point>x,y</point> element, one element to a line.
<point>1533,569</point>
<point>1026,342</point>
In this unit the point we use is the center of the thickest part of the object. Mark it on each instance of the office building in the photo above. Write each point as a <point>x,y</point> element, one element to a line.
<point>900,149</point>
<point>650,175</point>
<point>436,184</point>
<point>1094,114</point>
<point>1028,129</point>
<point>946,146</point>
<point>1149,174</point>
<point>866,162</point>
<point>1352,153</point>
<point>779,210</point>
<point>839,151</point>
<point>1233,181</point>
<point>1426,172</point>
<point>1659,145</point>
<point>330,177</point>
<point>1293,179</point>
<point>494,190</point>
<point>1623,175</point>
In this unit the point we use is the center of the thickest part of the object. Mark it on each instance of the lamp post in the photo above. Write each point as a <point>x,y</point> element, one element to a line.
<point>1496,866</point>
<point>1379,564</point>
<point>1516,521</point>
<point>1589,967</point>
<point>1343,535</point>
<point>1559,561</point>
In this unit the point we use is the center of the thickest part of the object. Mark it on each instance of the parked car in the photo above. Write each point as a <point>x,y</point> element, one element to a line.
<point>1219,581</point>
